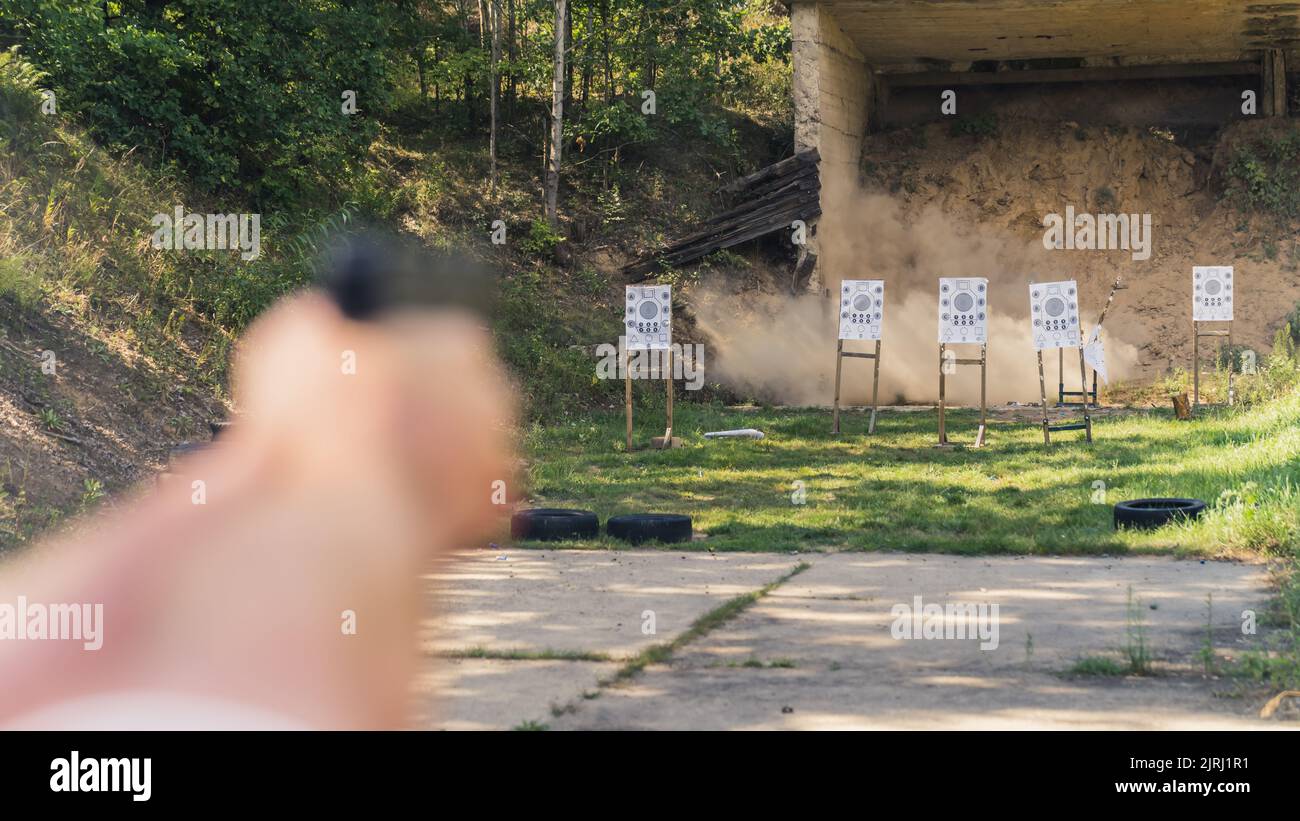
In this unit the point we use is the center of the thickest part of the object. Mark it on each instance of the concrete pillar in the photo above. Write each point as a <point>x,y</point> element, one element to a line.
<point>833,97</point>
<point>1273,86</point>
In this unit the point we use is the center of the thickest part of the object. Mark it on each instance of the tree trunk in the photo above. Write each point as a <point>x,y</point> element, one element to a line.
<point>494,16</point>
<point>586,54</point>
<point>557,116</point>
<point>512,52</point>
<point>609,68</point>
<point>568,64</point>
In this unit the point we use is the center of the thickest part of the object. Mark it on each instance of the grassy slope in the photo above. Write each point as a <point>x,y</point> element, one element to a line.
<point>895,491</point>
<point>137,369</point>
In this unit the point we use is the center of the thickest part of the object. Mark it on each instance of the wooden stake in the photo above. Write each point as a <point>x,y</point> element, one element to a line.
<point>979,437</point>
<point>839,359</point>
<point>627,395</point>
<point>1083,379</point>
<point>875,391</point>
<point>1042,391</point>
<point>1231,362</point>
<point>1196,366</point>
<point>668,434</point>
<point>1060,375</point>
<point>943,434</point>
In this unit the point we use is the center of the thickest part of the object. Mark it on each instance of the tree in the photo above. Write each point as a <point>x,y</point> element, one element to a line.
<point>557,116</point>
<point>494,13</point>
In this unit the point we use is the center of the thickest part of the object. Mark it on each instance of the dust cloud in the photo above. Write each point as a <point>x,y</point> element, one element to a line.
<point>781,348</point>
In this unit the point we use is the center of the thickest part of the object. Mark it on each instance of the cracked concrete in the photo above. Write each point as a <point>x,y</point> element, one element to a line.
<point>818,653</point>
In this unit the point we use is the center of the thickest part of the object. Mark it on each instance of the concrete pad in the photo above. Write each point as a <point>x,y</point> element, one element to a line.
<point>487,694</point>
<point>840,610</point>
<point>583,601</point>
<point>671,698</point>
<point>830,629</point>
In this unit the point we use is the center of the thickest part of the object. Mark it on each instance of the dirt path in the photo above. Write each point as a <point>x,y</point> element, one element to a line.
<point>538,636</point>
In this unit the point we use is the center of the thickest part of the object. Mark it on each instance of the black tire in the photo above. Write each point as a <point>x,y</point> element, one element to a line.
<point>1148,514</point>
<point>551,524</point>
<point>636,528</point>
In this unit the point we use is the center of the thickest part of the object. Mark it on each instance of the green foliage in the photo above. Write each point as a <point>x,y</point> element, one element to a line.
<point>51,421</point>
<point>613,211</point>
<point>981,125</point>
<point>19,280</point>
<point>1263,175</point>
<point>541,239</point>
<point>1098,666</point>
<point>560,376</point>
<point>236,99</point>
<point>92,491</point>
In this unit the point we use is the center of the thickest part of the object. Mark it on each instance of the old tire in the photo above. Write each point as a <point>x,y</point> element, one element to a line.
<point>551,524</point>
<point>636,528</point>
<point>1147,514</point>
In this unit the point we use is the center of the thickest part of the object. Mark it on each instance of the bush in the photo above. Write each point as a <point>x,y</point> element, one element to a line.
<point>1263,174</point>
<point>981,125</point>
<point>238,100</point>
<point>541,239</point>
<point>19,280</point>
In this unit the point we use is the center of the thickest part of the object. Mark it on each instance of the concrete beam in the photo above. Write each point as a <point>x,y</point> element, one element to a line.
<point>1273,86</point>
<point>1073,75</point>
<point>834,97</point>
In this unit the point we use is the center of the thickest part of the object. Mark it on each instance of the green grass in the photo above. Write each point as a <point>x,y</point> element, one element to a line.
<point>1099,666</point>
<point>894,490</point>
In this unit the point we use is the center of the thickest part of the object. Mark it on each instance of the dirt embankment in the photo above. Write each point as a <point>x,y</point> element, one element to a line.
<point>933,202</point>
<point>81,420</point>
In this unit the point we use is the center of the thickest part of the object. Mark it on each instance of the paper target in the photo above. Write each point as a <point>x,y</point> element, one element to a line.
<point>1212,293</point>
<point>648,319</point>
<point>963,309</point>
<point>862,308</point>
<point>1054,312</point>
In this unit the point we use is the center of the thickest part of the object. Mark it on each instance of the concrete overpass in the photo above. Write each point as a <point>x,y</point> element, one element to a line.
<point>850,54</point>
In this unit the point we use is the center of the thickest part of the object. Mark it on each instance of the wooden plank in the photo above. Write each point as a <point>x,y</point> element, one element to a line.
<point>642,270</point>
<point>805,157</point>
<point>766,220</point>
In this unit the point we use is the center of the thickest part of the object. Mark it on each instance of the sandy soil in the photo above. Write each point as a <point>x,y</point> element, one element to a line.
<point>1006,183</point>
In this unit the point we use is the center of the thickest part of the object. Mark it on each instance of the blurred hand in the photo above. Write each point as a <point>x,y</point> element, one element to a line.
<point>363,448</point>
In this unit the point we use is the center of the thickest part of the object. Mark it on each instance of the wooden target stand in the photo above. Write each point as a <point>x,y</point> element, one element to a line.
<point>1086,424</point>
<point>840,353</point>
<point>1197,333</point>
<point>943,378</point>
<point>660,442</point>
<point>1086,393</point>
<point>1061,393</point>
